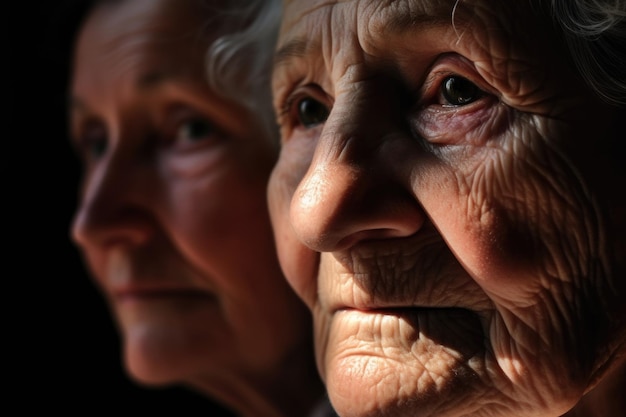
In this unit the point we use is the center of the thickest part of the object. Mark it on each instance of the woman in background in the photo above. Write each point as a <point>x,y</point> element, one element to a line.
<point>171,114</point>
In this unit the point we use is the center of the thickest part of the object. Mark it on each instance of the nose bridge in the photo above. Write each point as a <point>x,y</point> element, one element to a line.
<point>366,113</point>
<point>354,189</point>
<point>365,118</point>
<point>114,201</point>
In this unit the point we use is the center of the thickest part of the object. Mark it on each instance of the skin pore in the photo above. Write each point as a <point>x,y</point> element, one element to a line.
<point>446,209</point>
<point>173,220</point>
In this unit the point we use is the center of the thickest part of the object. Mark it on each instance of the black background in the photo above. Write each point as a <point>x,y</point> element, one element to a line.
<point>63,351</point>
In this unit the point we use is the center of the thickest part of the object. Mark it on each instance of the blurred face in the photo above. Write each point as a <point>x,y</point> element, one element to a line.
<point>173,220</point>
<point>442,203</point>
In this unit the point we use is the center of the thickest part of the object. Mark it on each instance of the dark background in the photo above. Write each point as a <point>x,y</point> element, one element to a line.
<point>63,351</point>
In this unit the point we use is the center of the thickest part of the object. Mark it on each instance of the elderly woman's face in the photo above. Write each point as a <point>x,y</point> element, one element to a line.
<point>173,219</point>
<point>441,203</point>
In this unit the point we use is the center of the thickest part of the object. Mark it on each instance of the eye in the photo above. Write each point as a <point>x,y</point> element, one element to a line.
<point>92,142</point>
<point>458,91</point>
<point>194,130</point>
<point>311,112</point>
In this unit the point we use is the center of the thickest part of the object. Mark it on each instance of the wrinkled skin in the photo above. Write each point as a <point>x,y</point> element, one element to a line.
<point>173,219</point>
<point>461,249</point>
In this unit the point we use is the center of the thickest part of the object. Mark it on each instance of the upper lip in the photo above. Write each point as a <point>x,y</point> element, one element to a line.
<point>380,308</point>
<point>402,310</point>
<point>146,273</point>
<point>366,278</point>
<point>364,301</point>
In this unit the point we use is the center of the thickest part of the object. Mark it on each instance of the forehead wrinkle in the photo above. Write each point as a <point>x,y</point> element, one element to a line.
<point>387,18</point>
<point>138,56</point>
<point>408,16</point>
<point>299,47</point>
<point>131,38</point>
<point>295,48</point>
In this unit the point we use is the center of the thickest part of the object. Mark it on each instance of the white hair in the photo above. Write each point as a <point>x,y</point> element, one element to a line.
<point>595,33</point>
<point>239,62</point>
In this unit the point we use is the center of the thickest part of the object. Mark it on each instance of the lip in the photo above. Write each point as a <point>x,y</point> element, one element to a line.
<point>381,305</point>
<point>414,316</point>
<point>389,310</point>
<point>399,310</point>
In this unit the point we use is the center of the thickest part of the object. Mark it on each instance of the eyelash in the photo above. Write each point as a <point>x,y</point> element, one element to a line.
<point>287,106</point>
<point>92,134</point>
<point>91,141</point>
<point>431,88</point>
<point>430,93</point>
<point>288,113</point>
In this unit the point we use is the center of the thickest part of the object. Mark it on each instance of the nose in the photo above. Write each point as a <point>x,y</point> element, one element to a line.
<point>115,206</point>
<point>358,186</point>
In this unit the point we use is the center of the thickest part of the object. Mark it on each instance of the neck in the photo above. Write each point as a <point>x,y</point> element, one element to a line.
<point>606,399</point>
<point>289,389</point>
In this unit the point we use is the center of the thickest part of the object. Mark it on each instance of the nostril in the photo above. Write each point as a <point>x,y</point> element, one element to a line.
<point>375,234</point>
<point>118,203</point>
<point>102,226</point>
<point>80,227</point>
<point>402,218</point>
<point>77,233</point>
<point>330,214</point>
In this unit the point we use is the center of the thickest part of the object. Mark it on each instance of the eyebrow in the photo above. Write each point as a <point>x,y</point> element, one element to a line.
<point>296,48</point>
<point>147,81</point>
<point>397,24</point>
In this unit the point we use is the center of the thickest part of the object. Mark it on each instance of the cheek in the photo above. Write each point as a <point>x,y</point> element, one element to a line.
<point>516,216</point>
<point>217,218</point>
<point>299,264</point>
<point>281,186</point>
<point>204,210</point>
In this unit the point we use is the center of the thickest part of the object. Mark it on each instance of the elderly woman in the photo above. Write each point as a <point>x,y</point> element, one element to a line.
<point>173,220</point>
<point>447,204</point>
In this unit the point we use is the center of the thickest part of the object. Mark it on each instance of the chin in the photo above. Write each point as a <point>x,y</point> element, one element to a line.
<point>372,387</point>
<point>168,341</point>
<point>150,359</point>
<point>160,354</point>
<point>422,370</point>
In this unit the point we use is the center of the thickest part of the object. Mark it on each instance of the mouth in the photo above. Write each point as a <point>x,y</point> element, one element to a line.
<point>408,329</point>
<point>415,316</point>
<point>403,311</point>
<point>365,304</point>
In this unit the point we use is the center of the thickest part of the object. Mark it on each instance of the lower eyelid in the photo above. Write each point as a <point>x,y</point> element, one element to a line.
<point>449,125</point>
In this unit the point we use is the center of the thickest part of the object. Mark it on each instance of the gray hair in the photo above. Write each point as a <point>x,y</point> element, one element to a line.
<point>595,34</point>
<point>239,62</point>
